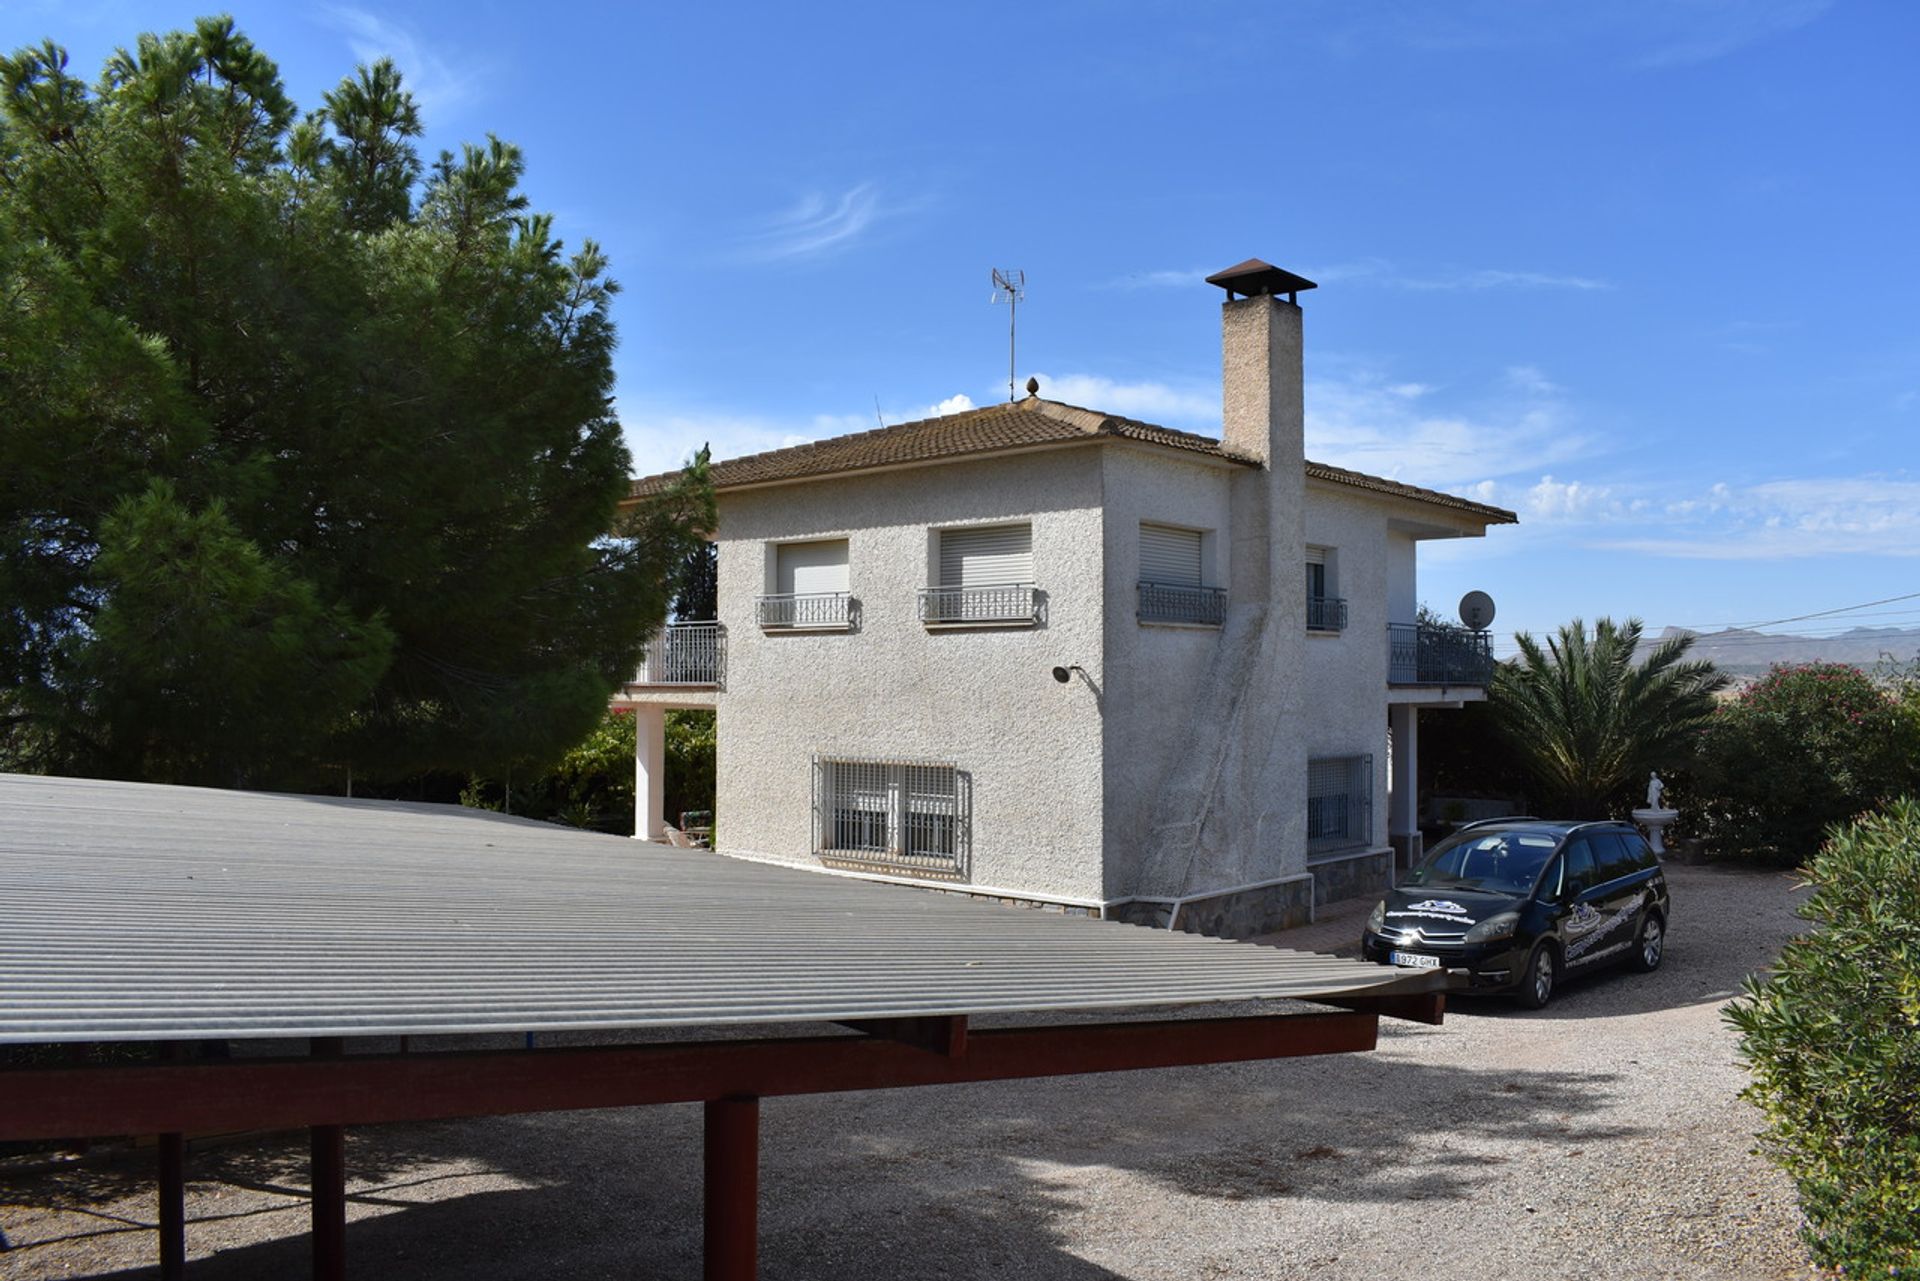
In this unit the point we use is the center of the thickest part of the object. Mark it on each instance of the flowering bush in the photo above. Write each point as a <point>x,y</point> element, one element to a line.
<point>1797,752</point>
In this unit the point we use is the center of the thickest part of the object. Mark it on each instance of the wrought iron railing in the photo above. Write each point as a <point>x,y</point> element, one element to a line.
<point>1000,603</point>
<point>686,654</point>
<point>1421,654</point>
<point>1326,614</point>
<point>1179,603</point>
<point>804,609</point>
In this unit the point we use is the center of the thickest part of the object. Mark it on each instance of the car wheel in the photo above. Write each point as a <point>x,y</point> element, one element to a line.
<point>1542,976</point>
<point>1649,943</point>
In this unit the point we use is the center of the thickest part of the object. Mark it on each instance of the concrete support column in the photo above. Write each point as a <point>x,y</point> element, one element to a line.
<point>1403,783</point>
<point>649,773</point>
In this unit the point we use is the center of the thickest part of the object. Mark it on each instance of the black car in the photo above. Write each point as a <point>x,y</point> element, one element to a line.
<point>1518,904</point>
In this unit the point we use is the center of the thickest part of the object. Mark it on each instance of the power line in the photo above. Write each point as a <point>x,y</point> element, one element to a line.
<point>1824,613</point>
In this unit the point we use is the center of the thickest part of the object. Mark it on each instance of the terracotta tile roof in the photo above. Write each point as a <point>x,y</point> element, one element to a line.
<point>994,428</point>
<point>1381,485</point>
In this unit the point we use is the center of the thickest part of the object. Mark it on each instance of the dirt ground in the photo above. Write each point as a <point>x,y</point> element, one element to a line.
<point>1600,1138</point>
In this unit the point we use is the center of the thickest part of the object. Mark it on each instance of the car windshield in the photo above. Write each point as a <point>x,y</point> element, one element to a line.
<point>1498,862</point>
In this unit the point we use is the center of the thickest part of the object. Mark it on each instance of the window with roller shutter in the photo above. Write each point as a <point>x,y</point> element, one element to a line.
<point>810,586</point>
<point>1173,578</point>
<point>985,575</point>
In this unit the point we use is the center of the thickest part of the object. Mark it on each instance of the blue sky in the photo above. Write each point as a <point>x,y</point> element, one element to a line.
<point>1643,271</point>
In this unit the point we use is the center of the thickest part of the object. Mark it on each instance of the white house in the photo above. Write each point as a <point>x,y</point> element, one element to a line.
<point>1047,654</point>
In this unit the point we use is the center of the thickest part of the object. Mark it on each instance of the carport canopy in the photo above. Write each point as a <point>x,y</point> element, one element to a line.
<point>197,918</point>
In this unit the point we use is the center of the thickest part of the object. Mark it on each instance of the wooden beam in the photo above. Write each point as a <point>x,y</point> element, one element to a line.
<point>945,1036</point>
<point>243,1094</point>
<point>731,1223</point>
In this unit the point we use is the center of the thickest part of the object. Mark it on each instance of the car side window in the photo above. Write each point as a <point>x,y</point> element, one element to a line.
<point>1643,856</point>
<point>1581,873</point>
<point>1616,857</point>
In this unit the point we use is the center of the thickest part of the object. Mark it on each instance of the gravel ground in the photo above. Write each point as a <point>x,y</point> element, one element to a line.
<point>1601,1138</point>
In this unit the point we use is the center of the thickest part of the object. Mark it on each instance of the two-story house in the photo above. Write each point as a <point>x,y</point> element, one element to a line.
<point>1043,653</point>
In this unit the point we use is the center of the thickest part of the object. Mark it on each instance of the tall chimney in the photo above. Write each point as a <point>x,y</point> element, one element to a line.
<point>1263,416</point>
<point>1263,412</point>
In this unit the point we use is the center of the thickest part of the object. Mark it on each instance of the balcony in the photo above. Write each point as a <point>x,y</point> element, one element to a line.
<point>686,654</point>
<point>1326,614</point>
<point>820,611</point>
<point>1001,605</point>
<point>1418,654</point>
<point>1177,603</point>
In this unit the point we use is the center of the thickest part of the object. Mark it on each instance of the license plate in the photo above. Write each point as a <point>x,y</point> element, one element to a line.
<point>1413,959</point>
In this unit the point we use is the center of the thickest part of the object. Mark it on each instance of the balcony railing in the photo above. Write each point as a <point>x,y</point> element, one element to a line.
<point>1000,603</point>
<point>685,654</point>
<point>1326,614</point>
<point>805,609</point>
<point>1418,654</point>
<point>1178,603</point>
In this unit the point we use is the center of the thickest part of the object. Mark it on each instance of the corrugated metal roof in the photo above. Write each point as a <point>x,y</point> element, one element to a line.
<point>137,912</point>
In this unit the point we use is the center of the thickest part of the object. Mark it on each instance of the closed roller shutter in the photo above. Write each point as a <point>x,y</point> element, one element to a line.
<point>807,568</point>
<point>1170,556</point>
<point>984,557</point>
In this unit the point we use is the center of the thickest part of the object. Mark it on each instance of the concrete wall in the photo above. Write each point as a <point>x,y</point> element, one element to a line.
<point>982,698</point>
<point>1403,588</point>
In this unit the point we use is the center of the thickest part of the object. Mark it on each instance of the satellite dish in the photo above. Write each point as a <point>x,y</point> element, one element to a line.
<point>1476,610</point>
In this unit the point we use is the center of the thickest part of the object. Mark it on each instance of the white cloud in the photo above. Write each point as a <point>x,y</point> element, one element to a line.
<point>957,403</point>
<point>1368,423</point>
<point>817,225</point>
<point>1702,30</point>
<point>1381,272</point>
<point>1789,519</point>
<point>1190,407</point>
<point>434,83</point>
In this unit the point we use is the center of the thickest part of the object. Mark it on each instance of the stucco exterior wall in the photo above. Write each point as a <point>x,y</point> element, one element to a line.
<point>1154,674</point>
<point>981,698</point>
<point>1346,671</point>
<point>1403,588</point>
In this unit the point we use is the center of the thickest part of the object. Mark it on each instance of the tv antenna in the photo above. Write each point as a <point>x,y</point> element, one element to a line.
<point>1010,287</point>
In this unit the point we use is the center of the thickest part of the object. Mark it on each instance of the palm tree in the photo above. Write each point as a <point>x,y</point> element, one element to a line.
<point>1589,723</point>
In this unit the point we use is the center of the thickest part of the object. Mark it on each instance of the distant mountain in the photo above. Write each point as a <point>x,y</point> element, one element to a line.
<point>1748,653</point>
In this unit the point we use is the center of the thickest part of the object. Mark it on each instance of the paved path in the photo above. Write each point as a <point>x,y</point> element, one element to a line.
<point>1599,1139</point>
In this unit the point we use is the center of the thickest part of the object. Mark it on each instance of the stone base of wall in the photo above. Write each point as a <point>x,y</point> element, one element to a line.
<point>1239,915</point>
<point>1366,874</point>
<point>1038,905</point>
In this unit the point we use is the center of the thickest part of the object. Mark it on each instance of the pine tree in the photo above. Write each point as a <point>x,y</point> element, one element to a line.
<point>306,450</point>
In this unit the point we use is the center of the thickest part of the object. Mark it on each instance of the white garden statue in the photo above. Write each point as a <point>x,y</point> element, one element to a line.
<point>1657,815</point>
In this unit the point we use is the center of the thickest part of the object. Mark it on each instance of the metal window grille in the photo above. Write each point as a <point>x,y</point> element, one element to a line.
<point>1421,654</point>
<point>1004,603</point>
<point>1339,803</point>
<point>1169,603</point>
<point>895,816</point>
<point>1326,613</point>
<point>805,609</point>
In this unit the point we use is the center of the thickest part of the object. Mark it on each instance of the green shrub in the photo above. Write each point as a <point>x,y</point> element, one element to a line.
<point>1797,752</point>
<point>1833,1040</point>
<point>592,785</point>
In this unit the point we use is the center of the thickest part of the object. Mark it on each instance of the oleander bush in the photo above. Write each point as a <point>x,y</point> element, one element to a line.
<point>1832,1038</point>
<point>1797,752</point>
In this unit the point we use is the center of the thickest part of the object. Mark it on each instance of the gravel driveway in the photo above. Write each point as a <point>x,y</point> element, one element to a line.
<point>1600,1138</point>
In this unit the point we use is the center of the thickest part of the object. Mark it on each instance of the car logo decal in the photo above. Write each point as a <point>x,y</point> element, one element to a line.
<point>1437,905</point>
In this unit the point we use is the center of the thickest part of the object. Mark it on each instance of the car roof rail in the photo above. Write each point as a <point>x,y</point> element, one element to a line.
<point>1504,818</point>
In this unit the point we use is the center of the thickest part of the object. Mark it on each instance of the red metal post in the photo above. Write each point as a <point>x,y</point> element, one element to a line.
<point>173,1207</point>
<point>328,1176</point>
<point>733,1189</point>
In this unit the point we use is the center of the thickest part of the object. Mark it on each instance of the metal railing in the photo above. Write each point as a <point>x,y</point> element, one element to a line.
<point>1326,614</point>
<point>804,609</point>
<point>685,654</point>
<point>1000,603</point>
<point>1419,654</point>
<point>1179,603</point>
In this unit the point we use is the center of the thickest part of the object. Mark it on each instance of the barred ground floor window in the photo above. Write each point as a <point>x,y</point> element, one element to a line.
<point>1339,804</point>
<point>892,815</point>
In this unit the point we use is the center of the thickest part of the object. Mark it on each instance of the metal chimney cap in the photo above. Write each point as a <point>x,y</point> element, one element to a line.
<point>1254,277</point>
